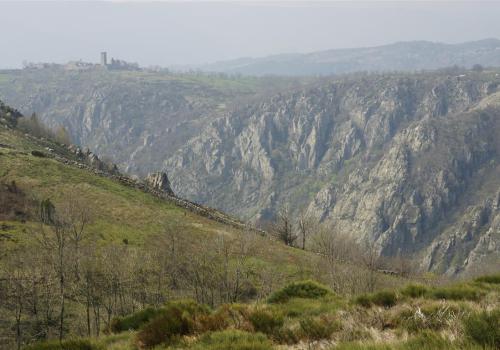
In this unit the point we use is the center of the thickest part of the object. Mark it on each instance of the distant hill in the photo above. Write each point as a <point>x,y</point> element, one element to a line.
<point>401,56</point>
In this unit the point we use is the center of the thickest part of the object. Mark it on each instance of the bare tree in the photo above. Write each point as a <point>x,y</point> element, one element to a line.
<point>60,234</point>
<point>306,224</point>
<point>283,228</point>
<point>370,258</point>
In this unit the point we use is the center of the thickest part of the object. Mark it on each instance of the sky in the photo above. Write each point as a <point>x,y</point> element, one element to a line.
<point>196,32</point>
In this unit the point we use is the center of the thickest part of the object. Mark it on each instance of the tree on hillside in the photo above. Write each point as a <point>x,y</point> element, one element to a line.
<point>307,225</point>
<point>283,227</point>
<point>59,235</point>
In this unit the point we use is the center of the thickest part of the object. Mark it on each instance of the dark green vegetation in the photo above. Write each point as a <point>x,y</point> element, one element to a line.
<point>308,289</point>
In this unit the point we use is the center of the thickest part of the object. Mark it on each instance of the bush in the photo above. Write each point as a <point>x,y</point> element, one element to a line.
<point>227,316</point>
<point>267,322</point>
<point>318,328</point>
<point>233,340</point>
<point>456,293</point>
<point>414,291</point>
<point>384,298</point>
<point>493,279</point>
<point>305,289</point>
<point>76,344</point>
<point>484,328</point>
<point>134,321</point>
<point>178,319</point>
<point>364,300</point>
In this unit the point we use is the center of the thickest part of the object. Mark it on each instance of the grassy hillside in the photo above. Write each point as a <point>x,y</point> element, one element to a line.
<point>137,271</point>
<point>78,249</point>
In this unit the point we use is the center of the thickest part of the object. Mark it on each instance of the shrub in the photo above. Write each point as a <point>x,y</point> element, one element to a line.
<point>456,293</point>
<point>233,340</point>
<point>414,291</point>
<point>178,319</point>
<point>364,300</point>
<point>227,316</point>
<point>76,344</point>
<point>493,279</point>
<point>134,321</point>
<point>287,335</point>
<point>266,321</point>
<point>384,298</point>
<point>305,289</point>
<point>318,328</point>
<point>484,328</point>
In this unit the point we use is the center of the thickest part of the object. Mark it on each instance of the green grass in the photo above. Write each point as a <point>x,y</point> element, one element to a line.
<point>483,328</point>
<point>233,340</point>
<point>491,279</point>
<point>457,292</point>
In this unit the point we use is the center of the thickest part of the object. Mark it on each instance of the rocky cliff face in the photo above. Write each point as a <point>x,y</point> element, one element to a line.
<point>389,159</point>
<point>407,162</point>
<point>136,118</point>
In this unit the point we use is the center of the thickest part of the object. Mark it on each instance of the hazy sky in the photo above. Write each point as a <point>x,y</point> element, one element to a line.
<point>166,33</point>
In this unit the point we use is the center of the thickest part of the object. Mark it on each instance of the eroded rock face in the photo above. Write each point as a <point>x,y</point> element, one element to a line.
<point>391,160</point>
<point>159,181</point>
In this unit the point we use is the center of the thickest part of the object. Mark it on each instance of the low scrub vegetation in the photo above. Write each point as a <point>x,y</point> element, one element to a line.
<point>77,344</point>
<point>383,298</point>
<point>484,328</point>
<point>429,317</point>
<point>176,320</point>
<point>233,340</point>
<point>266,321</point>
<point>135,320</point>
<point>306,289</point>
<point>492,279</point>
<point>459,292</point>
<point>415,291</point>
<point>304,318</point>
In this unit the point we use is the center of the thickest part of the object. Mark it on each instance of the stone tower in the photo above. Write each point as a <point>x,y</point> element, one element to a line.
<point>104,59</point>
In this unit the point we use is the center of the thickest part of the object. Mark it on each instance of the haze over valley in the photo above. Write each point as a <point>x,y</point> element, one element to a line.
<point>280,179</point>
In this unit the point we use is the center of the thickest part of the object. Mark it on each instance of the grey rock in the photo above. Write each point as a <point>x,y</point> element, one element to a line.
<point>159,181</point>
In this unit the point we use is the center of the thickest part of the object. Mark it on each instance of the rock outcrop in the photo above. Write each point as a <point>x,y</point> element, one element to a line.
<point>160,182</point>
<point>391,160</point>
<point>403,161</point>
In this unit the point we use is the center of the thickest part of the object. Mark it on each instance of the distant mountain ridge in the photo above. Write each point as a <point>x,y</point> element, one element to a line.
<point>400,56</point>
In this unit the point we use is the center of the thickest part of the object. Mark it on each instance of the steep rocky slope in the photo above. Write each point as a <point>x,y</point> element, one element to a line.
<point>137,118</point>
<point>409,163</point>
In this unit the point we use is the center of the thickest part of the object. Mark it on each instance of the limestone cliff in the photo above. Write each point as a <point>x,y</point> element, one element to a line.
<point>396,160</point>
